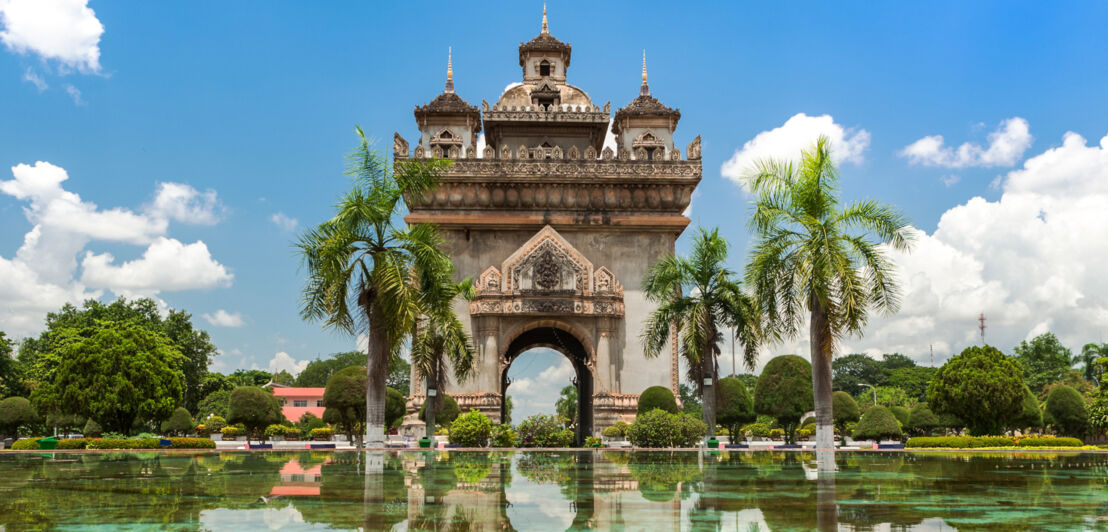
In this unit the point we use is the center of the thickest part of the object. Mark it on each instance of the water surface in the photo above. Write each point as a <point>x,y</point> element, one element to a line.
<point>524,490</point>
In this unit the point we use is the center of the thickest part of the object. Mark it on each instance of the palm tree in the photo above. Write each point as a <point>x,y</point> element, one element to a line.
<point>439,338</point>
<point>701,298</point>
<point>814,254</point>
<point>362,268</point>
<point>1090,353</point>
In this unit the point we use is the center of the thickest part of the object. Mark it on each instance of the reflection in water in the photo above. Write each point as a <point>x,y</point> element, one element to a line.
<point>537,490</point>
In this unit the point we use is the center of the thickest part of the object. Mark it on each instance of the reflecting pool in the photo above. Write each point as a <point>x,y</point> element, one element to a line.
<point>536,490</point>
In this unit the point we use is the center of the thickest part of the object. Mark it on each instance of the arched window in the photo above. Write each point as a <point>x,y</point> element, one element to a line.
<point>544,68</point>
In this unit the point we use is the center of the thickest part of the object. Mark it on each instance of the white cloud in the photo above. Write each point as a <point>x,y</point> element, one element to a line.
<point>284,222</point>
<point>1006,146</point>
<point>797,134</point>
<point>222,318</point>
<point>610,139</point>
<point>182,203</point>
<point>66,31</point>
<point>33,78</point>
<point>950,180</point>
<point>167,264</point>
<point>282,361</point>
<point>1031,261</point>
<point>42,275</point>
<point>480,145</point>
<point>75,94</point>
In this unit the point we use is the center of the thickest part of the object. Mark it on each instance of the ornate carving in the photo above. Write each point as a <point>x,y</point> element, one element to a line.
<point>436,152</point>
<point>522,152</point>
<point>489,281</point>
<point>693,151</point>
<point>556,152</point>
<point>640,154</point>
<point>455,152</point>
<point>489,153</point>
<point>607,153</point>
<point>399,146</point>
<point>471,152</point>
<point>624,154</point>
<point>574,153</point>
<point>505,152</point>
<point>548,262</point>
<point>419,152</point>
<point>675,154</point>
<point>590,153</point>
<point>605,282</point>
<point>548,274</point>
<point>609,306</point>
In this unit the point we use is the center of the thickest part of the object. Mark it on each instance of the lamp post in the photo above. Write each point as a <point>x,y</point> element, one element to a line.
<point>874,392</point>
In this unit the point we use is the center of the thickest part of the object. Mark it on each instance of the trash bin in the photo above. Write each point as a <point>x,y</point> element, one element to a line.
<point>712,443</point>
<point>47,444</point>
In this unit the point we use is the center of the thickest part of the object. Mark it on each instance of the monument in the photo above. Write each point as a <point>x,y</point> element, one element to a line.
<point>556,229</point>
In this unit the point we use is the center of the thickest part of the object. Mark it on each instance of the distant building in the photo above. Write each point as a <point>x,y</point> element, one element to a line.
<point>295,402</point>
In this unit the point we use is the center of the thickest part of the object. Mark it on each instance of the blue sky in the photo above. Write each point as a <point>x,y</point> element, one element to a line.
<point>247,108</point>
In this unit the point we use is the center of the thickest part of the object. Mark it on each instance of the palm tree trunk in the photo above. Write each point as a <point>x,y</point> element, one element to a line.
<point>430,408</point>
<point>820,340</point>
<point>708,391</point>
<point>376,379</point>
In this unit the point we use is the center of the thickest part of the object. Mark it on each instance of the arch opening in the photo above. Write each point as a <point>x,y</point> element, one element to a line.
<point>574,350</point>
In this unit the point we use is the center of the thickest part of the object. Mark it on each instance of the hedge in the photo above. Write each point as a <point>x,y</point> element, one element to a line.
<point>975,442</point>
<point>69,444</point>
<point>471,429</point>
<point>658,428</point>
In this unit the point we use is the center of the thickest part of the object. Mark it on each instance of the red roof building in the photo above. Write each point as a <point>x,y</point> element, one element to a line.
<point>296,402</point>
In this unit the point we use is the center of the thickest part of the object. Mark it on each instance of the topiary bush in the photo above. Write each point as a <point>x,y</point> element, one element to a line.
<point>1068,411</point>
<point>617,430</point>
<point>230,432</point>
<point>756,430</point>
<point>445,416</point>
<point>275,430</point>
<point>981,386</point>
<point>921,420</point>
<point>777,434</point>
<point>878,423</point>
<point>26,444</point>
<point>292,433</point>
<point>658,428</point>
<point>471,429</point>
<point>784,392</point>
<point>657,397</point>
<point>179,423</point>
<point>735,406</point>
<point>15,412</point>
<point>544,431</point>
<point>503,436</point>
<point>69,444</point>
<point>321,434</point>
<point>310,421</point>
<point>1049,441</point>
<point>901,414</point>
<point>92,429</point>
<point>844,409</point>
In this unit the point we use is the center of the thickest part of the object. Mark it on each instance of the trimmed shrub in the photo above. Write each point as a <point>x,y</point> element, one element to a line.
<point>503,436</point>
<point>180,422</point>
<point>395,408</point>
<point>617,430</point>
<point>844,409</point>
<point>1049,441</point>
<point>544,431</point>
<point>322,433</point>
<point>70,444</point>
<point>292,433</point>
<point>921,420</point>
<point>592,441</point>
<point>275,430</point>
<point>26,444</point>
<point>310,421</point>
<point>92,429</point>
<point>977,442</point>
<point>254,407</point>
<point>471,429</point>
<point>230,432</point>
<point>777,434</point>
<point>658,428</point>
<point>1067,409</point>
<point>756,430</point>
<point>215,423</point>
<point>784,392</point>
<point>1031,416</point>
<point>878,423</point>
<point>15,412</point>
<point>192,443</point>
<point>735,405</point>
<point>804,433</point>
<point>901,414</point>
<point>446,415</point>
<point>981,386</point>
<point>657,397</point>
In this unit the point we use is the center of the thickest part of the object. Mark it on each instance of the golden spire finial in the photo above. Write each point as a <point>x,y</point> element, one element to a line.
<point>644,66</point>
<point>545,29</point>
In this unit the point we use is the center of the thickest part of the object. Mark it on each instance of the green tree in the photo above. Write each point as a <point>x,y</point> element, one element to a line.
<point>701,298</point>
<point>894,361</point>
<point>446,415</point>
<point>900,413</point>
<point>249,377</point>
<point>15,412</point>
<point>980,386</point>
<point>214,382</point>
<point>317,372</point>
<point>214,404</point>
<point>1090,353</point>
<point>360,265</point>
<point>784,392</point>
<point>690,400</point>
<point>284,378</point>
<point>850,372</point>
<point>508,410</point>
<point>1030,415</point>
<point>814,254</point>
<point>913,380</point>
<point>1044,359</point>
<point>344,398</point>
<point>1068,412</point>
<point>922,420</point>
<point>197,348</point>
<point>255,408</point>
<point>179,423</point>
<point>11,378</point>
<point>845,410</point>
<point>395,408</point>
<point>878,423</point>
<point>119,373</point>
<point>657,397</point>
<point>736,407</point>
<point>440,340</point>
<point>566,405</point>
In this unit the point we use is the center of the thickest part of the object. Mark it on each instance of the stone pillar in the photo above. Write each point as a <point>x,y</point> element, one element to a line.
<point>605,366</point>
<point>489,362</point>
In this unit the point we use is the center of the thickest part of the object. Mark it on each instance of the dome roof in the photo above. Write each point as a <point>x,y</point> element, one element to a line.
<point>520,95</point>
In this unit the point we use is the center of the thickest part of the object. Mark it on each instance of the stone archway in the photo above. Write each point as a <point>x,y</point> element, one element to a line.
<point>566,343</point>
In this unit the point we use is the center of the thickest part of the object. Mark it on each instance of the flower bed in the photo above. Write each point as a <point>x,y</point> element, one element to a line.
<point>30,444</point>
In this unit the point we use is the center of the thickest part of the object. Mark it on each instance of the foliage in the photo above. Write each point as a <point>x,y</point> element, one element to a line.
<point>472,429</point>
<point>344,398</point>
<point>878,423</point>
<point>440,341</point>
<point>446,415</point>
<point>735,404</point>
<point>922,420</point>
<point>900,413</point>
<point>365,274</point>
<point>616,430</point>
<point>1067,409</point>
<point>318,371</point>
<point>395,408</point>
<point>215,404</point>
<point>15,412</point>
<point>690,400</point>
<point>777,434</point>
<point>657,397</point>
<point>254,408</point>
<point>65,423</point>
<point>502,436</point>
<point>592,441</point>
<point>11,371</point>
<point>658,428</point>
<point>1072,378</point>
<point>310,421</point>
<point>150,443</point>
<point>230,432</point>
<point>1091,353</point>
<point>1030,415</point>
<point>784,392</point>
<point>275,430</point>
<point>26,444</point>
<point>249,377</point>
<point>283,378</point>
<point>912,380</point>
<point>757,430</point>
<point>92,429</point>
<point>851,371</point>
<point>322,433</point>
<point>215,423</point>
<point>1098,410</point>
<point>179,423</point>
<point>976,442</point>
<point>1044,359</point>
<point>566,405</point>
<point>887,396</point>
<point>119,373</point>
<point>544,431</point>
<point>699,297</point>
<point>845,410</point>
<point>980,386</point>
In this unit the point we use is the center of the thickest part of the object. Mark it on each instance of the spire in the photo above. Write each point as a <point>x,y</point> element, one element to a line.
<point>545,29</point>
<point>449,70</point>
<point>645,90</point>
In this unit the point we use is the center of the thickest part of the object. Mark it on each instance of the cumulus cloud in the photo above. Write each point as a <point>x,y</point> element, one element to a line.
<point>42,275</point>
<point>222,318</point>
<point>283,221</point>
<point>1006,146</point>
<point>795,135</point>
<point>66,31</point>
<point>534,390</point>
<point>283,361</point>
<point>182,203</point>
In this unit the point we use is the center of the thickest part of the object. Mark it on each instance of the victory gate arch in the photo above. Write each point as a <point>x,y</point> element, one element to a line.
<point>556,229</point>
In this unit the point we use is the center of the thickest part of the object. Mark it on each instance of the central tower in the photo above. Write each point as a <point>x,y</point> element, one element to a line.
<point>557,228</point>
